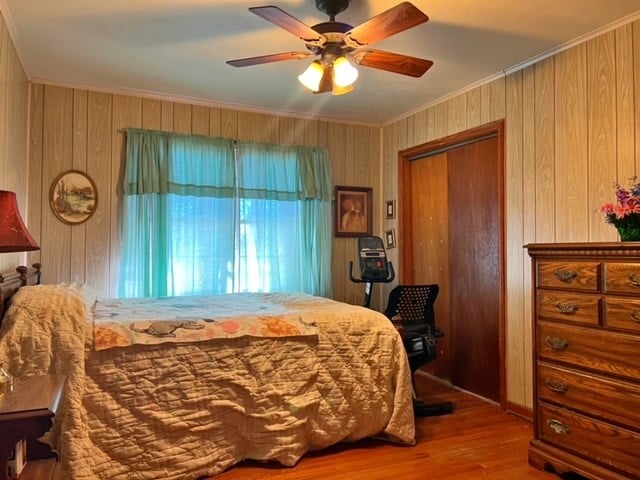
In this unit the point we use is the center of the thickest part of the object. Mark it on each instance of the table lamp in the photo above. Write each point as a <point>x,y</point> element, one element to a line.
<point>14,237</point>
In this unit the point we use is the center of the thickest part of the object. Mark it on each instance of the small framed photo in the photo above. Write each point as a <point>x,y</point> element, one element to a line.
<point>391,209</point>
<point>73,197</point>
<point>391,238</point>
<point>353,215</point>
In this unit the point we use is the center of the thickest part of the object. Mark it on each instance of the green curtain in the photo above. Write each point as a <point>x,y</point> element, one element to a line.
<point>299,179</point>
<point>209,215</point>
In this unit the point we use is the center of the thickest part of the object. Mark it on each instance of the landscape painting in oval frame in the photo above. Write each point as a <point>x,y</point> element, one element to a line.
<point>73,197</point>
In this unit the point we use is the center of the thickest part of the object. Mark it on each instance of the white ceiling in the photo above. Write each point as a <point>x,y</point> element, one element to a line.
<point>177,49</point>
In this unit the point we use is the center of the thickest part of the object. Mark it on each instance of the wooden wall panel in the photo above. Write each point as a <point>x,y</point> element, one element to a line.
<point>473,108</point>
<point>636,89</point>
<point>528,235</point>
<point>214,122</point>
<point>419,127</point>
<point>36,190</point>
<point>56,158</point>
<point>229,123</point>
<point>14,111</point>
<point>151,114</point>
<point>457,114</point>
<point>624,108</point>
<point>166,118</point>
<point>572,128</point>
<point>497,106</point>
<point>182,121</point>
<point>99,146</point>
<point>310,132</point>
<point>572,219</point>
<point>287,134</point>
<point>5,45</point>
<point>407,129</point>
<point>79,162</point>
<point>514,208</point>
<point>544,137</point>
<point>440,121</point>
<point>200,120</point>
<point>601,84</point>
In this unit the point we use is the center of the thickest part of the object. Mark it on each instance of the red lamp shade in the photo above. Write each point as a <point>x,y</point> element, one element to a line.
<point>14,236</point>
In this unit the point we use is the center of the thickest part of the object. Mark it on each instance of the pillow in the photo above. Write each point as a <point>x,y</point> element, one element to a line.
<point>86,292</point>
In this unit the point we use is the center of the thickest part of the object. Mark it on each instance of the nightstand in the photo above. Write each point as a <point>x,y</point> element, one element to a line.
<point>27,413</point>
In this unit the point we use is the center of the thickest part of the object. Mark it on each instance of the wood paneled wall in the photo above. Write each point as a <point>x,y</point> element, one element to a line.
<point>14,98</point>
<point>79,129</point>
<point>572,129</point>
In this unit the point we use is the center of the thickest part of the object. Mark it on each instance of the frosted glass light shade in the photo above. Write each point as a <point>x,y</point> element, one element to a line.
<point>312,76</point>
<point>344,74</point>
<point>341,90</point>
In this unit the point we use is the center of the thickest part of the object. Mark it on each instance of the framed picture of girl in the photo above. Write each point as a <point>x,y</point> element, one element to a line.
<point>353,215</point>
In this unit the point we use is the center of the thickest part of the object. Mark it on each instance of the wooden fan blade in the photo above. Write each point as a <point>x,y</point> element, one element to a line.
<point>276,57</point>
<point>393,62</point>
<point>395,20</point>
<point>291,24</point>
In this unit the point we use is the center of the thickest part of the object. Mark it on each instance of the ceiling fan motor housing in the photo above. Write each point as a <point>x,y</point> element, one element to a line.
<point>332,7</point>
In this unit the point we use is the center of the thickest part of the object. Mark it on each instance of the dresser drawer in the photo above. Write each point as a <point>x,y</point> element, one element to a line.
<point>615,401</point>
<point>570,307</point>
<point>604,351</point>
<point>569,275</point>
<point>614,447</point>
<point>622,278</point>
<point>622,313</point>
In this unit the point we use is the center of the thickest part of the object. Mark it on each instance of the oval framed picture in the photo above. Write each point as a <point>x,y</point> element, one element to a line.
<point>73,197</point>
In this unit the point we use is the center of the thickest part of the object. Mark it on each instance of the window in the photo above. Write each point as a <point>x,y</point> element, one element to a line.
<point>207,216</point>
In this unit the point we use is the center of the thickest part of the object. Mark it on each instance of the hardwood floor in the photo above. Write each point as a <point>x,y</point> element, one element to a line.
<point>476,441</point>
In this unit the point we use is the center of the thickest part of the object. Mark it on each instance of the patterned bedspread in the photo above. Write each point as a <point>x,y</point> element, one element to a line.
<point>188,410</point>
<point>120,322</point>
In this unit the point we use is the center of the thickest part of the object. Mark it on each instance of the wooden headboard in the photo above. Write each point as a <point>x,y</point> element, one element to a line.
<point>10,283</point>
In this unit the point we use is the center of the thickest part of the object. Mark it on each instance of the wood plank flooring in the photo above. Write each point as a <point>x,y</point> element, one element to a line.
<point>476,441</point>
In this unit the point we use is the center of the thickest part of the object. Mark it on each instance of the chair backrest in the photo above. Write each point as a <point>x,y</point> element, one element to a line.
<point>413,304</point>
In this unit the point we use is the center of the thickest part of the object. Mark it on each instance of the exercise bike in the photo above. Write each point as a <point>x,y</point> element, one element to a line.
<point>374,266</point>
<point>414,303</point>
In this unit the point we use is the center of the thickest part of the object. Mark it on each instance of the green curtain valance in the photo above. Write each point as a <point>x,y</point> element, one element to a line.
<point>161,163</point>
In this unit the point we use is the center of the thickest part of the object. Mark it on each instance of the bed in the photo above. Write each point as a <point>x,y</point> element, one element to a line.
<point>186,395</point>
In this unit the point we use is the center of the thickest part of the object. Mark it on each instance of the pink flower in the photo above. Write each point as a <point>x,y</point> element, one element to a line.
<point>627,206</point>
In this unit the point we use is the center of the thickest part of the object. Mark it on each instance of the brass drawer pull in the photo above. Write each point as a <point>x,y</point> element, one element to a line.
<point>558,344</point>
<point>558,427</point>
<point>556,385</point>
<point>634,279</point>
<point>566,276</point>
<point>635,316</point>
<point>567,308</point>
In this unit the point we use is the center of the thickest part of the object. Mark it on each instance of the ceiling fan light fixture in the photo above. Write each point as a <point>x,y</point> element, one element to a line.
<point>312,76</point>
<point>341,90</point>
<point>344,74</point>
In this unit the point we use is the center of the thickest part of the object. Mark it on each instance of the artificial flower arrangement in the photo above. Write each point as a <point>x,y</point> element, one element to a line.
<point>625,213</point>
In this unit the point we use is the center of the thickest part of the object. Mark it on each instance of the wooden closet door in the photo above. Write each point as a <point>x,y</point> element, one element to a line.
<point>474,203</point>
<point>430,245</point>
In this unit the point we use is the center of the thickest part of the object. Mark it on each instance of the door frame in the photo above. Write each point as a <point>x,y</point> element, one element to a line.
<point>404,238</point>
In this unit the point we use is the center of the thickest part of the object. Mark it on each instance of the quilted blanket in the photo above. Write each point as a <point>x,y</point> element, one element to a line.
<point>122,322</point>
<point>190,410</point>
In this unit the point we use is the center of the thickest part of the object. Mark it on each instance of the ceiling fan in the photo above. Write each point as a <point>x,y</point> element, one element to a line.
<point>338,44</point>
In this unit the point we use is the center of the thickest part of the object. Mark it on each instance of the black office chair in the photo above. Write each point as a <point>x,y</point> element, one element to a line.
<point>410,308</point>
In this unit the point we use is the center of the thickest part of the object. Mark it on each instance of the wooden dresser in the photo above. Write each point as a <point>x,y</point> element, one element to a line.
<point>587,359</point>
